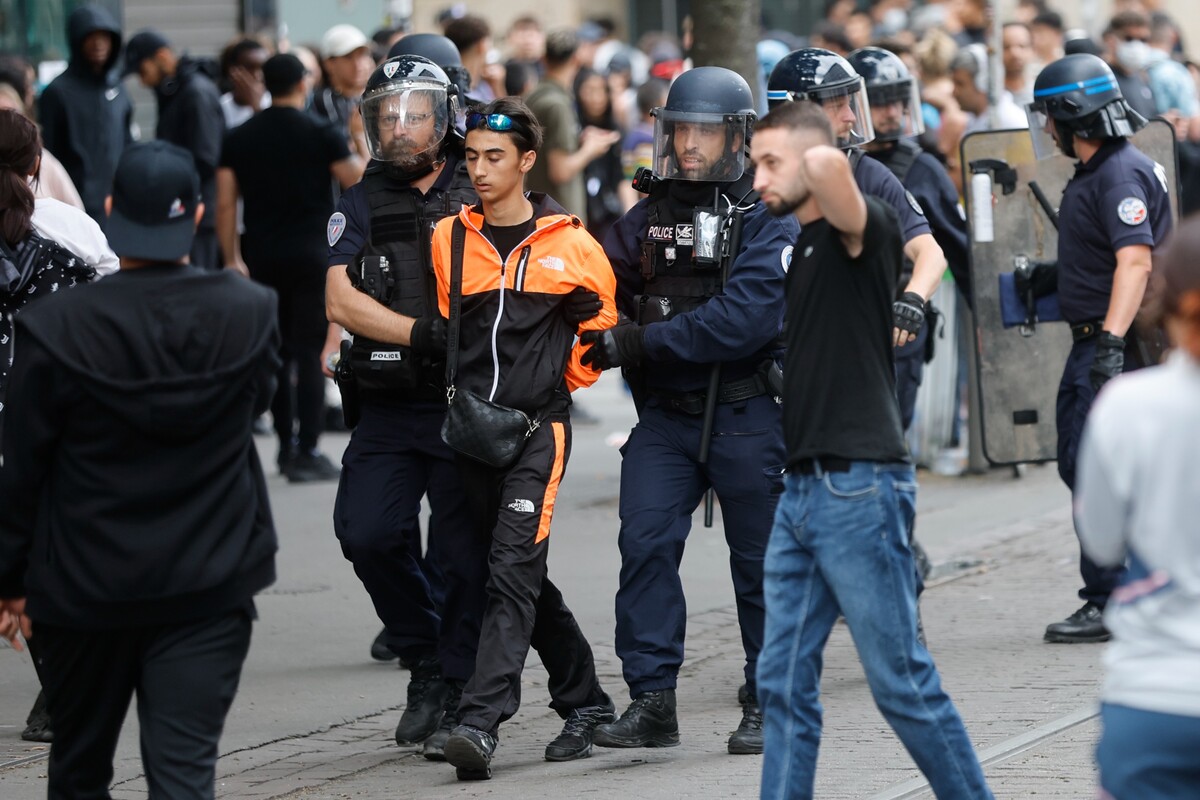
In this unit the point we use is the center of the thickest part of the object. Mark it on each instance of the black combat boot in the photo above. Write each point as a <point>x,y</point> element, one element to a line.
<point>748,738</point>
<point>426,694</point>
<point>470,751</point>
<point>648,722</point>
<point>434,748</point>
<point>37,724</point>
<point>575,741</point>
<point>1085,625</point>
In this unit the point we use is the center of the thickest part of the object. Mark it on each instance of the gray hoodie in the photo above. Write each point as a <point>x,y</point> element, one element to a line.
<point>1138,502</point>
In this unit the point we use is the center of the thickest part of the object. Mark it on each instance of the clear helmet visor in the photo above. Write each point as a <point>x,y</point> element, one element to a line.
<point>691,146</point>
<point>405,123</point>
<point>849,113</point>
<point>896,111</point>
<point>1041,128</point>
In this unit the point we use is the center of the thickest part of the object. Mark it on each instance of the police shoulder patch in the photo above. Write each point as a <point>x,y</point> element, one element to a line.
<point>336,227</point>
<point>912,201</point>
<point>1131,211</point>
<point>785,257</point>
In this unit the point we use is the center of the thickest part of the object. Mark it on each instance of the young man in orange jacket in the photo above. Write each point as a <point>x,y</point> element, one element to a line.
<point>522,256</point>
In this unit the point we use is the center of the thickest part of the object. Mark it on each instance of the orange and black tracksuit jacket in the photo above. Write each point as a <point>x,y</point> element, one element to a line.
<point>515,347</point>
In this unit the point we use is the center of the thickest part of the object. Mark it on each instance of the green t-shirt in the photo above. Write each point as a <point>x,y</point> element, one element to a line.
<point>555,110</point>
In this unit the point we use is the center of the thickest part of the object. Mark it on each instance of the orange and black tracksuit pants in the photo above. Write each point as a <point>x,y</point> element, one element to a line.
<point>524,608</point>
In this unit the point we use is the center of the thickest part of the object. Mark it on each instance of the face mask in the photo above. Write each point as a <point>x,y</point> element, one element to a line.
<point>894,20</point>
<point>1133,55</point>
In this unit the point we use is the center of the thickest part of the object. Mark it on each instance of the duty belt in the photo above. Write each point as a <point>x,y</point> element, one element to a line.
<point>1086,330</point>
<point>730,392</point>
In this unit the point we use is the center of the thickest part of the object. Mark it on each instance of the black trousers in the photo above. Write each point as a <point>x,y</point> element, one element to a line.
<point>185,676</point>
<point>396,455</point>
<point>524,608</point>
<point>298,407</point>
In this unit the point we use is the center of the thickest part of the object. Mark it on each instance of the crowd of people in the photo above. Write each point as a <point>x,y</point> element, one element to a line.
<point>468,240</point>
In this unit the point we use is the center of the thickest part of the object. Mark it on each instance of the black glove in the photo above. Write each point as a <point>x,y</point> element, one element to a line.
<point>428,336</point>
<point>580,305</point>
<point>1039,279</point>
<point>909,312</point>
<point>1109,360</point>
<point>613,347</point>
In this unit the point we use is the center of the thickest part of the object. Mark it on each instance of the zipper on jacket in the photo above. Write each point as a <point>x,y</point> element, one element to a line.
<point>519,282</point>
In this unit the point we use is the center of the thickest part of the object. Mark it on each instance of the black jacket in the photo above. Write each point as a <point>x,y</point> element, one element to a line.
<point>189,115</point>
<point>131,491</point>
<point>86,116</point>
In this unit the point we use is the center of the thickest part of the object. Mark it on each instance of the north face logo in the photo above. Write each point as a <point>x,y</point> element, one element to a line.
<point>552,262</point>
<point>522,506</point>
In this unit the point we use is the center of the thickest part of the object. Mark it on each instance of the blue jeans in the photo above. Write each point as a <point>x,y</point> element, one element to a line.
<point>1148,755</point>
<point>840,545</point>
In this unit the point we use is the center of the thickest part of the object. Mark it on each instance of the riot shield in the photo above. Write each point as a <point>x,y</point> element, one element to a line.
<point>1022,346</point>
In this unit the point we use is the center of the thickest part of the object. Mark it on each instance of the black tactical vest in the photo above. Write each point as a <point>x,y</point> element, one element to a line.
<point>675,282</point>
<point>900,162</point>
<point>400,230</point>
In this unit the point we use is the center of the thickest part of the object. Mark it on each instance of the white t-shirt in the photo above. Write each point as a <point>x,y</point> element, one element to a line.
<point>76,231</point>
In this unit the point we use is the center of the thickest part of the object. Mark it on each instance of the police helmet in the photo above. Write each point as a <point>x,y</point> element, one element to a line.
<point>1081,96</point>
<point>441,51</point>
<point>829,80</point>
<point>703,105</point>
<point>408,108</point>
<point>893,94</point>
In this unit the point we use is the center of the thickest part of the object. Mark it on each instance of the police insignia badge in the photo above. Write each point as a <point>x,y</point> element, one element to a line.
<point>336,227</point>
<point>389,69</point>
<point>1132,211</point>
<point>912,201</point>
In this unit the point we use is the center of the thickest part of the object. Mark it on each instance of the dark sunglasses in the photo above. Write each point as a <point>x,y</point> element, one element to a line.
<point>493,122</point>
<point>1129,37</point>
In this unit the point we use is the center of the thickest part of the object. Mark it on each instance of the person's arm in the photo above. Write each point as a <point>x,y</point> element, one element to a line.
<point>829,177</point>
<point>596,275</point>
<point>1129,287</point>
<point>929,264</point>
<point>360,314</point>
<point>562,166</point>
<point>227,223</point>
<point>348,171</point>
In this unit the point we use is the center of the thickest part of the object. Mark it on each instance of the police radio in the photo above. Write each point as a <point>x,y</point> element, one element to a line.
<point>643,180</point>
<point>373,278</point>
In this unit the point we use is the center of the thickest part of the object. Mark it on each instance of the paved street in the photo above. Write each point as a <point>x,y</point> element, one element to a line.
<point>315,715</point>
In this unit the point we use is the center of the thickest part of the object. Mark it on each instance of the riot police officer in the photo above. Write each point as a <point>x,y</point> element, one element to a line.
<point>379,287</point>
<point>895,102</point>
<point>441,51</point>
<point>1115,211</point>
<point>665,253</point>
<point>830,81</point>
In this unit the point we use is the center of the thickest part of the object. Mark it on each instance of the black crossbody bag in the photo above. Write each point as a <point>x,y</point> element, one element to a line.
<point>475,426</point>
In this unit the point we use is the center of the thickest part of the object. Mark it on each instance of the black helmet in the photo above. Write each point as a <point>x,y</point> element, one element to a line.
<point>893,94</point>
<point>824,77</point>
<point>413,94</point>
<point>1081,95</point>
<point>705,98</point>
<point>441,51</point>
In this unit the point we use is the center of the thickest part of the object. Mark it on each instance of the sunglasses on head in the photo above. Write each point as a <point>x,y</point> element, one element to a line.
<point>493,122</point>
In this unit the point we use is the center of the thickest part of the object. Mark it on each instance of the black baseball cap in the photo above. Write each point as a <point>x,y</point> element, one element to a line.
<point>155,193</point>
<point>143,45</point>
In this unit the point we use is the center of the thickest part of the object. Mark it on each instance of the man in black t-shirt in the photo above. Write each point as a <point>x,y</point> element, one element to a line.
<point>840,542</point>
<point>279,163</point>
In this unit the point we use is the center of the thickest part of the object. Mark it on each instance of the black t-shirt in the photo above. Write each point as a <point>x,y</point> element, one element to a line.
<point>507,237</point>
<point>281,157</point>
<point>839,378</point>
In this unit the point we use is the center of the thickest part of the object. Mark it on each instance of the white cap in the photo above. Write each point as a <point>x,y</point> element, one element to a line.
<point>341,40</point>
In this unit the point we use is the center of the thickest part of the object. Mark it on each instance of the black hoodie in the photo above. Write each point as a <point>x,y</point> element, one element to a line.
<point>189,115</point>
<point>131,492</point>
<point>86,116</point>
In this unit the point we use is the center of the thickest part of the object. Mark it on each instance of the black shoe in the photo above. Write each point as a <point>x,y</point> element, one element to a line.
<point>470,751</point>
<point>1085,625</point>
<point>426,695</point>
<point>37,724</point>
<point>379,649</point>
<point>575,741</point>
<point>434,748</point>
<point>311,468</point>
<point>748,738</point>
<point>648,722</point>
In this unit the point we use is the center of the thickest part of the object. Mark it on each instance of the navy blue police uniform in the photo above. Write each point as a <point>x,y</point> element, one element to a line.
<point>396,454</point>
<point>1118,198</point>
<point>690,323</point>
<point>925,179</point>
